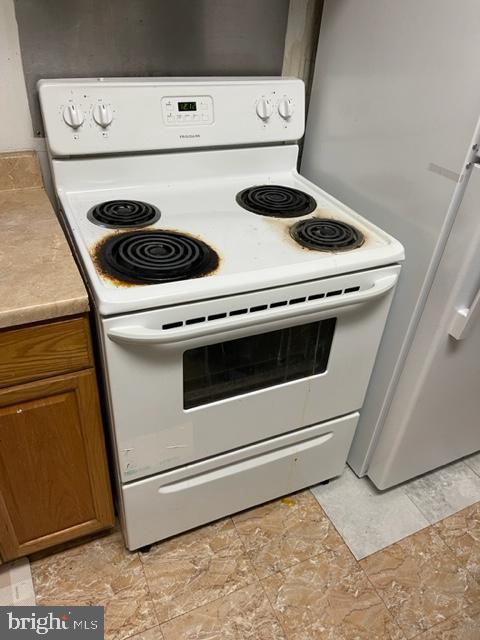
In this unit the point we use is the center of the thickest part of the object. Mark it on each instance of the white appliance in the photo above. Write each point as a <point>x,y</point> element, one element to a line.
<point>236,353</point>
<point>392,131</point>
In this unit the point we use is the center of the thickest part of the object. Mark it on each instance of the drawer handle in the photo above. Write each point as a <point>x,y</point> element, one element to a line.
<point>244,465</point>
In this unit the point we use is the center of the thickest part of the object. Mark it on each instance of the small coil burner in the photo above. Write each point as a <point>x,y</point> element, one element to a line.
<point>142,257</point>
<point>326,235</point>
<point>116,214</point>
<point>276,201</point>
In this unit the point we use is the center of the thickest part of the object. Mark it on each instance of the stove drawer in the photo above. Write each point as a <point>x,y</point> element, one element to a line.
<point>172,502</point>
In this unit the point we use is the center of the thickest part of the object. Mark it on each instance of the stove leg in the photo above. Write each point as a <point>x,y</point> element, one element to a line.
<point>145,549</point>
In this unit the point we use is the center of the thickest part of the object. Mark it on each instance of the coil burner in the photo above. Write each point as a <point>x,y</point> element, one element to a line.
<point>326,235</point>
<point>117,214</point>
<point>276,201</point>
<point>141,257</point>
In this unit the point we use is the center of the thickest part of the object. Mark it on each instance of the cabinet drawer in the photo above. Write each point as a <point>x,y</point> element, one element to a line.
<point>43,350</point>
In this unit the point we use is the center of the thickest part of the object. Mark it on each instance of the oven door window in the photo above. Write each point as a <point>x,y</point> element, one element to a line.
<point>218,371</point>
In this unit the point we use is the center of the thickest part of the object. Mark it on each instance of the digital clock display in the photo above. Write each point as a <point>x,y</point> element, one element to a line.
<point>187,106</point>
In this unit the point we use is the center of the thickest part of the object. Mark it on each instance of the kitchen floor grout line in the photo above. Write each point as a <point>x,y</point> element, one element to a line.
<point>148,589</point>
<point>452,551</point>
<point>260,580</point>
<point>477,473</point>
<point>337,530</point>
<point>358,563</point>
<point>206,604</point>
<point>294,564</point>
<point>394,620</point>
<point>255,576</point>
<point>419,635</point>
<point>277,617</point>
<point>139,633</point>
<point>419,509</point>
<point>431,524</point>
<point>247,555</point>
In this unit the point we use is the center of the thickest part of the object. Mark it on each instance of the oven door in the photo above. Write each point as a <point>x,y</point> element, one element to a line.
<point>188,382</point>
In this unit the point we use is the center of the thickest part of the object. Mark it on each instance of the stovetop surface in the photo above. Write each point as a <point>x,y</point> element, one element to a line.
<point>196,195</point>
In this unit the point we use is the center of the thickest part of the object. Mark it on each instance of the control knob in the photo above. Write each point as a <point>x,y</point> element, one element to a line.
<point>264,109</point>
<point>285,108</point>
<point>102,114</point>
<point>73,116</point>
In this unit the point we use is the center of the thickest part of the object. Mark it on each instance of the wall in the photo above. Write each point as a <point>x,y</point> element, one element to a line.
<point>301,39</point>
<point>68,38</point>
<point>16,125</point>
<point>65,38</point>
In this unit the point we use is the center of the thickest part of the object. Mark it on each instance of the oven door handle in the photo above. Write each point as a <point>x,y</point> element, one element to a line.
<point>144,335</point>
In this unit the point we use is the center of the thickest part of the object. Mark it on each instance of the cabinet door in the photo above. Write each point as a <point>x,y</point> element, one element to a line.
<point>54,483</point>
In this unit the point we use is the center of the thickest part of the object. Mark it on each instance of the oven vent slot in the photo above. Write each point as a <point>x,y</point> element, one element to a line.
<point>260,307</point>
<point>172,325</point>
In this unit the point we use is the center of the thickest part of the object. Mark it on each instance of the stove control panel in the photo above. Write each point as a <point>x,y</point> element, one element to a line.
<point>187,110</point>
<point>121,115</point>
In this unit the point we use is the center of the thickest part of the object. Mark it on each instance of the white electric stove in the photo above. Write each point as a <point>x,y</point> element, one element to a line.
<point>239,307</point>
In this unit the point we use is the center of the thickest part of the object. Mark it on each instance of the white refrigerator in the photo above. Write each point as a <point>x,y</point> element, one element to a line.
<point>392,130</point>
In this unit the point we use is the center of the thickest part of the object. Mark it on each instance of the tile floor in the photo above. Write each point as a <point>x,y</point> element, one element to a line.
<point>280,571</point>
<point>16,586</point>
<point>369,520</point>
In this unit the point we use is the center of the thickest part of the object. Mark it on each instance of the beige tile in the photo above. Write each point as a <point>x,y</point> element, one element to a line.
<point>192,569</point>
<point>102,573</point>
<point>329,597</point>
<point>420,581</point>
<point>243,615</point>
<point>461,532</point>
<point>282,533</point>
<point>152,634</point>
<point>463,626</point>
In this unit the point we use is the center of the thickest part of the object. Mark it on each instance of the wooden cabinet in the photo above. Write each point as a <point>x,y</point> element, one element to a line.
<point>54,483</point>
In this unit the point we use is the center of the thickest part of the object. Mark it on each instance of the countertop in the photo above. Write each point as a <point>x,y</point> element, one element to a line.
<point>39,279</point>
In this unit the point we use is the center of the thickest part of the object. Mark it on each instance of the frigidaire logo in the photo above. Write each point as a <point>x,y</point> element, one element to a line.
<point>55,623</point>
<point>189,135</point>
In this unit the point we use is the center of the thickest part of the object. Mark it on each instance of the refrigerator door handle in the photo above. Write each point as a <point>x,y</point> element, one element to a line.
<point>463,318</point>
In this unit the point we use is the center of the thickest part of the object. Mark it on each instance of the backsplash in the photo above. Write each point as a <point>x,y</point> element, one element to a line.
<point>19,170</point>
